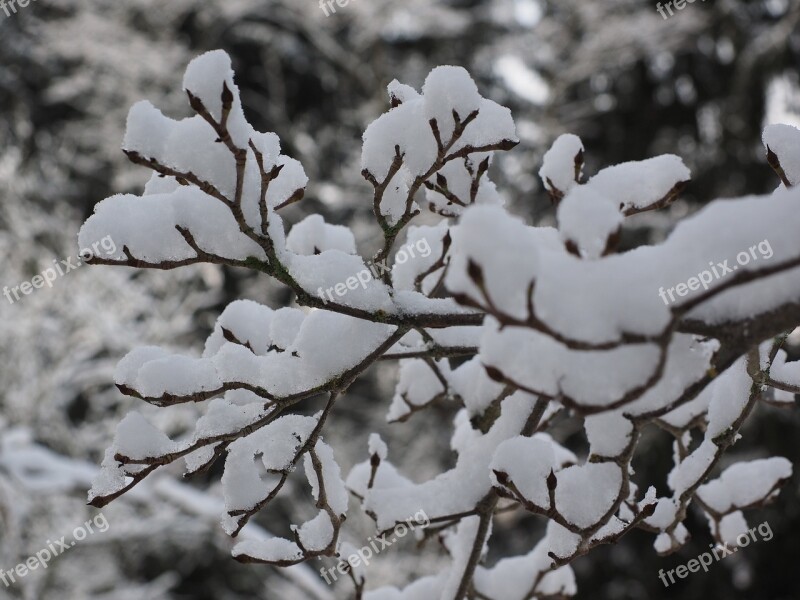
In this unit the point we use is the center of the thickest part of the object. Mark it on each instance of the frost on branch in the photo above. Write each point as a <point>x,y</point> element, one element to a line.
<point>521,328</point>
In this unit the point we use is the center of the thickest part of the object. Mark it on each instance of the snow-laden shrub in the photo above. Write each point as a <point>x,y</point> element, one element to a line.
<point>547,323</point>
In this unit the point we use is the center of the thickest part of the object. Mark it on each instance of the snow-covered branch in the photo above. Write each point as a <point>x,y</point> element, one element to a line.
<point>549,324</point>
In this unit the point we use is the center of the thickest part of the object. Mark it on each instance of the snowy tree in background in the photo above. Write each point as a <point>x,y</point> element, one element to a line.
<point>522,327</point>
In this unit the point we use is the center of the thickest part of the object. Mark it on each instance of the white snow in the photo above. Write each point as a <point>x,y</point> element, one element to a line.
<point>588,218</point>
<point>313,235</point>
<point>275,445</point>
<point>784,141</point>
<point>745,483</point>
<point>449,89</point>
<point>137,438</point>
<point>316,534</point>
<point>417,386</point>
<point>456,490</point>
<point>558,171</point>
<point>332,480</point>
<point>527,462</point>
<point>572,501</point>
<point>639,184</point>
